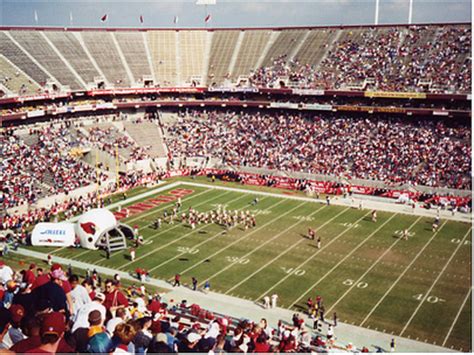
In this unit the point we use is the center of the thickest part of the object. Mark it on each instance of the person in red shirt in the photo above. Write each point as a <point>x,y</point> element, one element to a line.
<point>29,277</point>
<point>114,299</point>
<point>261,345</point>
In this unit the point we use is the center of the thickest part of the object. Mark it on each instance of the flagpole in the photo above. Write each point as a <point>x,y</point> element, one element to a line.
<point>376,12</point>
<point>205,15</point>
<point>410,12</point>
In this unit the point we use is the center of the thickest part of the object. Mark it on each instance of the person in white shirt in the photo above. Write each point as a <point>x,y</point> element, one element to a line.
<point>274,300</point>
<point>79,294</point>
<point>6,273</point>
<point>81,318</point>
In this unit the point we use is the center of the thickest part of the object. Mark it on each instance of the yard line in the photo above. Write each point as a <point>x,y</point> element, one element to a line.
<point>199,244</point>
<point>287,250</point>
<point>457,316</point>
<point>153,210</point>
<point>334,267</point>
<point>370,268</point>
<point>174,240</point>
<point>400,276</point>
<point>270,240</point>
<point>434,283</point>
<point>153,236</point>
<point>246,235</point>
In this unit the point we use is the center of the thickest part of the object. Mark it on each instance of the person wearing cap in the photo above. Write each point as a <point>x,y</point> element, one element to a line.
<point>159,344</point>
<point>81,317</point>
<point>53,326</point>
<point>17,313</point>
<point>53,292</point>
<point>189,344</point>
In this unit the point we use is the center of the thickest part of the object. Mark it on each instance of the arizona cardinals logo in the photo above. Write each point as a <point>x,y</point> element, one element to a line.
<point>88,227</point>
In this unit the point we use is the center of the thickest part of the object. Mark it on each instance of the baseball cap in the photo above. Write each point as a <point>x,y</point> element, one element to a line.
<point>32,265</point>
<point>56,266</point>
<point>17,312</point>
<point>193,337</point>
<point>53,323</point>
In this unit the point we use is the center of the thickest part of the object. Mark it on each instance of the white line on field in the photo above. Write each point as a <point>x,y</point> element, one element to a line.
<point>287,250</point>
<point>338,264</point>
<point>434,283</point>
<point>400,276</point>
<point>268,241</point>
<point>457,316</point>
<point>201,243</point>
<point>178,239</point>
<point>244,236</point>
<point>370,268</point>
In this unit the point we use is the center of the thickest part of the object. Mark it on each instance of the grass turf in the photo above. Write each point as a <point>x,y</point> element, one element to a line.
<point>364,271</point>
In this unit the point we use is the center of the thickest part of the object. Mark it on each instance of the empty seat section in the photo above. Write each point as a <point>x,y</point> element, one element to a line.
<point>223,45</point>
<point>36,45</point>
<point>133,48</point>
<point>192,45</point>
<point>250,51</point>
<point>162,46</point>
<point>284,45</point>
<point>71,49</point>
<point>104,52</point>
<point>14,79</point>
<point>14,54</point>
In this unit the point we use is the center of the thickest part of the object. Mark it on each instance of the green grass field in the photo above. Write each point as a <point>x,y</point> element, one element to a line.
<point>364,271</point>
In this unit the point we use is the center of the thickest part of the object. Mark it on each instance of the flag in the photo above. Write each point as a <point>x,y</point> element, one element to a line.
<point>208,18</point>
<point>141,18</point>
<point>36,17</point>
<point>175,20</point>
<point>103,18</point>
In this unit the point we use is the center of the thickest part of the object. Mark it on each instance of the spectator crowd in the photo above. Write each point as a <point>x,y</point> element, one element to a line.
<point>55,311</point>
<point>392,150</point>
<point>391,59</point>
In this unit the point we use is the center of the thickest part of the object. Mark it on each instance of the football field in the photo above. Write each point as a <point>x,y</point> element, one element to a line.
<point>365,271</point>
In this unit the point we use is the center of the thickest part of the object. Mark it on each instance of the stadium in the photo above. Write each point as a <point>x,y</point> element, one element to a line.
<point>245,189</point>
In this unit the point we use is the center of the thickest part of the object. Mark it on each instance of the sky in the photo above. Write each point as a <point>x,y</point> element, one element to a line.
<point>227,13</point>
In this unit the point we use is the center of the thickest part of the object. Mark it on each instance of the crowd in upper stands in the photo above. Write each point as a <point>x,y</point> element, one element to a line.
<point>392,60</point>
<point>55,311</point>
<point>392,150</point>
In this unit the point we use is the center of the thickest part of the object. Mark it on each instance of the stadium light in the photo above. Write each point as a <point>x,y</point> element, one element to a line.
<point>376,12</point>
<point>410,12</point>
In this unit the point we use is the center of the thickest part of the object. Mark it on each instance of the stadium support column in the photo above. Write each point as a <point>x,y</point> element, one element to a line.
<point>117,166</point>
<point>377,12</point>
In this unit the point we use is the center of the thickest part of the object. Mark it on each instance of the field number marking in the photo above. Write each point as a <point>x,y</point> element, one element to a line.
<point>400,233</point>
<point>303,218</point>
<point>297,272</point>
<point>264,212</point>
<point>350,282</point>
<point>188,250</point>
<point>430,299</point>
<point>236,259</point>
<point>350,225</point>
<point>457,241</point>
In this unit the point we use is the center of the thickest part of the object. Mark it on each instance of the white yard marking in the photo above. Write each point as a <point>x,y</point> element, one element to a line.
<point>434,283</point>
<point>369,269</point>
<point>267,242</point>
<point>174,240</point>
<point>400,276</point>
<point>339,263</point>
<point>457,316</point>
<point>285,250</point>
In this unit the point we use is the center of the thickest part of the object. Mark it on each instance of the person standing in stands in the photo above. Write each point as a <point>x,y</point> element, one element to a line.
<point>53,326</point>
<point>195,282</point>
<point>114,299</point>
